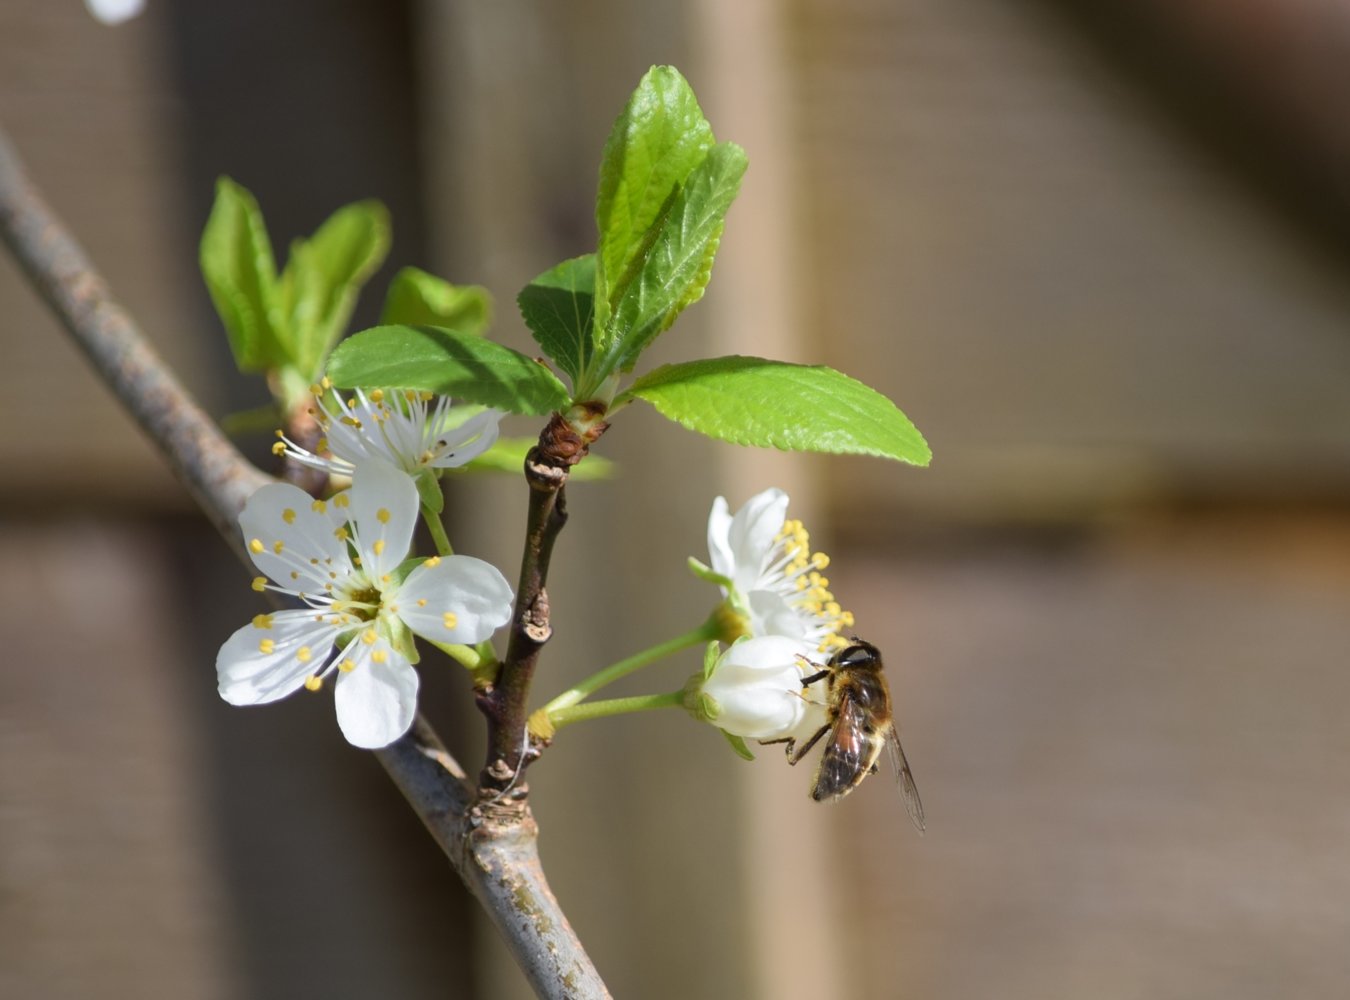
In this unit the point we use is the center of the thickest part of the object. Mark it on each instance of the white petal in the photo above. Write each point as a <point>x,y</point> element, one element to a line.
<point>248,676</point>
<point>376,701</point>
<point>283,514</point>
<point>719,528</point>
<point>770,614</point>
<point>114,11</point>
<point>474,592</point>
<point>752,534</point>
<point>384,512</point>
<point>467,441</point>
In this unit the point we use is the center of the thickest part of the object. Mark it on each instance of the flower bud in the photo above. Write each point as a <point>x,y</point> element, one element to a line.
<point>755,690</point>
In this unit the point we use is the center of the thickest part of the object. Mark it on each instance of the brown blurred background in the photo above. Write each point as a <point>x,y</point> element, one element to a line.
<point>1098,251</point>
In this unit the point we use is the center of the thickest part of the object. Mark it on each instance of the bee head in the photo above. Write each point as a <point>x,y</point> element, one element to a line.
<point>857,655</point>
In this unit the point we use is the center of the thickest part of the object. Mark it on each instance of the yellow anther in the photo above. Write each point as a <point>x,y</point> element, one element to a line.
<point>379,656</point>
<point>279,433</point>
<point>378,547</point>
<point>342,501</point>
<point>341,534</point>
<point>350,422</point>
<point>295,574</point>
<point>262,621</point>
<point>821,560</point>
<point>368,637</point>
<point>288,515</point>
<point>279,448</point>
<point>318,506</point>
<point>433,562</point>
<point>326,382</point>
<point>266,646</point>
<point>316,389</point>
<point>377,395</point>
<point>347,666</point>
<point>322,443</point>
<point>256,546</point>
<point>450,619</point>
<point>313,683</point>
<point>382,515</point>
<point>421,601</point>
<point>277,546</point>
<point>427,397</point>
<point>259,583</point>
<point>303,654</point>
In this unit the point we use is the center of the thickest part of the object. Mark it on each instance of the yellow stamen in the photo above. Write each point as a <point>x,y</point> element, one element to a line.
<point>256,546</point>
<point>303,654</point>
<point>433,561</point>
<point>449,619</point>
<point>378,547</point>
<point>379,656</point>
<point>259,583</point>
<point>377,395</point>
<point>368,637</point>
<point>342,501</point>
<point>382,515</point>
<point>421,601</point>
<point>262,621</point>
<point>347,666</point>
<point>279,448</point>
<point>288,515</point>
<point>266,647</point>
<point>277,546</point>
<point>313,683</point>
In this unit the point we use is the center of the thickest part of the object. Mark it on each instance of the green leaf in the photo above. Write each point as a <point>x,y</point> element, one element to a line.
<point>323,276</point>
<point>773,404</point>
<point>241,274</point>
<point>738,744</point>
<point>508,455</point>
<point>448,362</point>
<point>417,298</point>
<point>558,307</point>
<point>658,139</point>
<point>676,267</point>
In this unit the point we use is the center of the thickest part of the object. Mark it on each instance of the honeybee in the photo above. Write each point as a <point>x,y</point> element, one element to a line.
<point>860,724</point>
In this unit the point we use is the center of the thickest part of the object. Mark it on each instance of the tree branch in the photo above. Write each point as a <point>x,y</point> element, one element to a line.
<point>497,858</point>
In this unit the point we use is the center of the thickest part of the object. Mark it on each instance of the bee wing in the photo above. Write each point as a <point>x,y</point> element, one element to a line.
<point>904,778</point>
<point>847,755</point>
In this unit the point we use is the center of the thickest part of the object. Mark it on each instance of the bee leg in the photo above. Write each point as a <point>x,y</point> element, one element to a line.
<point>819,676</point>
<point>806,747</point>
<point>786,739</point>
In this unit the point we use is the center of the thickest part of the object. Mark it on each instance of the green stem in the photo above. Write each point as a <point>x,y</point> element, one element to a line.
<point>614,706</point>
<point>437,529</point>
<point>706,632</point>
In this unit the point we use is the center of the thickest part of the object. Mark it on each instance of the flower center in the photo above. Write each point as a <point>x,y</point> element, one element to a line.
<point>808,589</point>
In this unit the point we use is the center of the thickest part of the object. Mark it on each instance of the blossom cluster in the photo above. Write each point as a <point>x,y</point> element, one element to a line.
<point>345,561</point>
<point>768,574</point>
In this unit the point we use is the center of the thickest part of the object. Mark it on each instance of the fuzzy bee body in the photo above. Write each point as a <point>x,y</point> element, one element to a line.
<point>861,723</point>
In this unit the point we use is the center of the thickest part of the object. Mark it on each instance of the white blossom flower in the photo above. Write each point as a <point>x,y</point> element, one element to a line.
<point>114,11</point>
<point>775,578</point>
<point>340,558</point>
<point>755,690</point>
<point>405,429</point>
